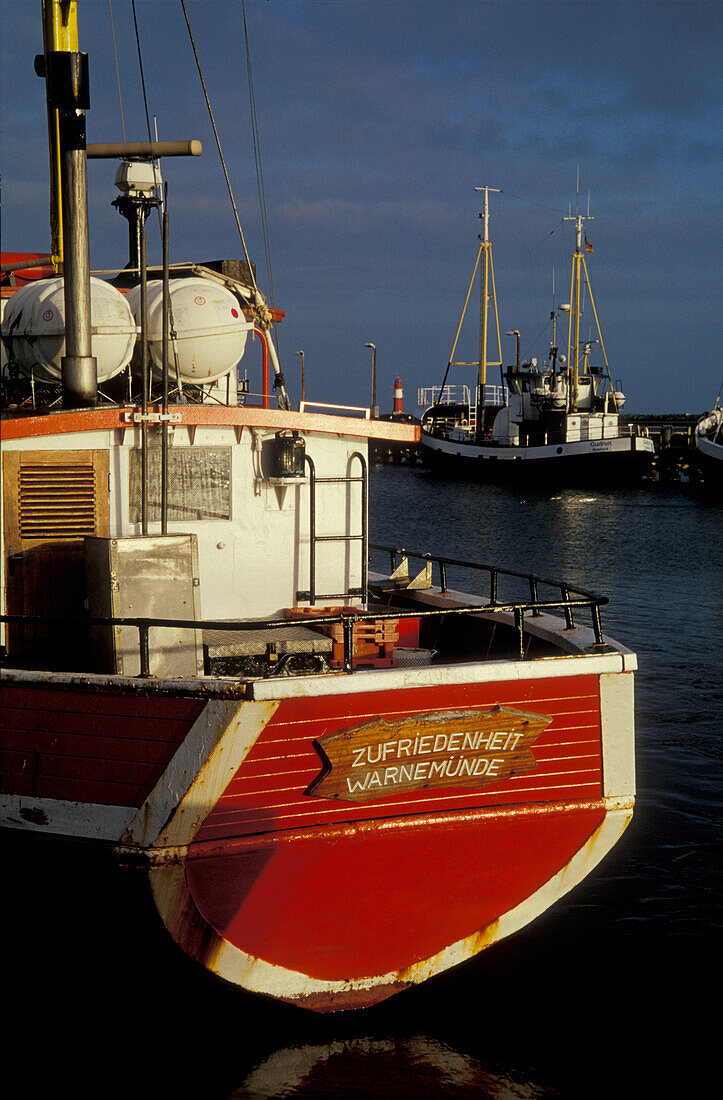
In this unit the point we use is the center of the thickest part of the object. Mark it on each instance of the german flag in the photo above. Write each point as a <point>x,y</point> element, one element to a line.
<point>588,246</point>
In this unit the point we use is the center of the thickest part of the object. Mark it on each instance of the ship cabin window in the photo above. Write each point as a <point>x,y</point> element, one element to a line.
<point>199,484</point>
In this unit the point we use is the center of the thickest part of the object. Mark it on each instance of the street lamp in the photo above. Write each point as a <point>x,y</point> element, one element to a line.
<point>302,373</point>
<point>375,410</point>
<point>516,333</point>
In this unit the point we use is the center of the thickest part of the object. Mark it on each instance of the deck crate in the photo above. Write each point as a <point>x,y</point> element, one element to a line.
<point>373,640</point>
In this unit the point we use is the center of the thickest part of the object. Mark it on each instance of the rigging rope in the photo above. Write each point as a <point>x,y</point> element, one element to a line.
<point>117,70</point>
<point>263,313</point>
<point>257,159</point>
<point>218,143</point>
<point>261,309</point>
<point>145,100</point>
<point>140,66</point>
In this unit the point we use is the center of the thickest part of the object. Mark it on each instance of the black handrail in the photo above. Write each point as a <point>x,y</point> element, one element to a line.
<point>589,599</point>
<point>395,552</point>
<point>348,619</point>
<point>569,598</point>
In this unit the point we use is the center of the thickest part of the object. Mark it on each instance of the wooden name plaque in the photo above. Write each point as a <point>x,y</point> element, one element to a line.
<point>443,749</point>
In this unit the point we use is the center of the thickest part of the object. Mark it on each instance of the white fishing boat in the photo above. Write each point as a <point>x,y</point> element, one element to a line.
<point>330,783</point>
<point>709,447</point>
<point>557,422</point>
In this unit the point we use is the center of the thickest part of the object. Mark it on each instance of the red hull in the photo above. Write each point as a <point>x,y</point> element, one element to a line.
<point>103,748</point>
<point>358,904</point>
<point>268,791</point>
<point>322,901</point>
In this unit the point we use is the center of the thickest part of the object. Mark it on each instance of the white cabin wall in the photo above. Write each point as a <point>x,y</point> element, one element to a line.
<point>272,524</point>
<point>252,565</point>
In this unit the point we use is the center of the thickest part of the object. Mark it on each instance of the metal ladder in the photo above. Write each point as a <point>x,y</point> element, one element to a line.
<point>311,595</point>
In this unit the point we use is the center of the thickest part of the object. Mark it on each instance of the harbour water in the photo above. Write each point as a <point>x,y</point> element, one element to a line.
<point>612,993</point>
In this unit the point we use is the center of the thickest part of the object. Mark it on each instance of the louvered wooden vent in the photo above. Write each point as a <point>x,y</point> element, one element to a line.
<point>56,502</point>
<point>54,497</point>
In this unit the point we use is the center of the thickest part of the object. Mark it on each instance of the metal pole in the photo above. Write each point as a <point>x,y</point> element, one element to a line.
<point>375,410</point>
<point>576,370</point>
<point>348,626</point>
<point>312,530</point>
<point>144,379</point>
<point>364,525</point>
<point>485,301</point>
<point>516,333</point>
<point>164,425</point>
<point>145,653</point>
<point>303,390</point>
<point>519,625</point>
<point>67,74</point>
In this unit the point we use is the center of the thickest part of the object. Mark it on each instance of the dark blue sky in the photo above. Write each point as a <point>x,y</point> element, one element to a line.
<point>377,120</point>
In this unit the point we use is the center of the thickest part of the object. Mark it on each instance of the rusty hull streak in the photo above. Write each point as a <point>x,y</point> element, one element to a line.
<point>470,946</point>
<point>237,726</point>
<point>35,817</point>
<point>354,999</point>
<point>574,871</point>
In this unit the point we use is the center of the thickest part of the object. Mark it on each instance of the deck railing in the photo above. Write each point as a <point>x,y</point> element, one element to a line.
<point>569,599</point>
<point>566,599</point>
<point>458,394</point>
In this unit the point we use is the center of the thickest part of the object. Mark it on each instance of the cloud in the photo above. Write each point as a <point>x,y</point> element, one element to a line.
<point>376,121</point>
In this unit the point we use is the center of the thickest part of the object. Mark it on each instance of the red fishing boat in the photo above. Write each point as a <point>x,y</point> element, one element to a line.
<point>335,781</point>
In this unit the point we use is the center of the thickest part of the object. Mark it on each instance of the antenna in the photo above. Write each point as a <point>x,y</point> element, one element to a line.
<point>577,288</point>
<point>486,213</point>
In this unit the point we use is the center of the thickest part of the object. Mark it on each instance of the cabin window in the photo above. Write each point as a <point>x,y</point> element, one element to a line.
<point>199,484</point>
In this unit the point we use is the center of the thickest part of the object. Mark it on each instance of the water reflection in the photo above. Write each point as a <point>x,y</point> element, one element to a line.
<point>414,1066</point>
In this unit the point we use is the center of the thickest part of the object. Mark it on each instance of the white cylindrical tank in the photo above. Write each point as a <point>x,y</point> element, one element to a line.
<point>210,328</point>
<point>34,322</point>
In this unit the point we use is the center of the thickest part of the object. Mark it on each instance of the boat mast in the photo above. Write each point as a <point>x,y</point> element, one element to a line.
<point>579,271</point>
<point>65,70</point>
<point>573,333</point>
<point>60,32</point>
<point>488,280</point>
<point>487,276</point>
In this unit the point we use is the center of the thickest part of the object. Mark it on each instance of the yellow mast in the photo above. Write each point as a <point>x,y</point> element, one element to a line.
<point>60,35</point>
<point>487,275</point>
<point>573,331</point>
<point>488,283</point>
<point>579,268</point>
